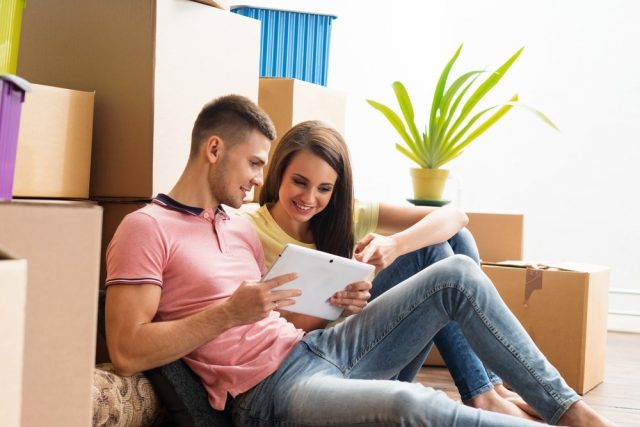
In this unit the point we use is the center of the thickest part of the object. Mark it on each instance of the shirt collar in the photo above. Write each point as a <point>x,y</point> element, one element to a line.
<point>167,202</point>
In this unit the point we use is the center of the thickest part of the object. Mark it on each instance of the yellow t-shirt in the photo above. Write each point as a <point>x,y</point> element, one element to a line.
<point>274,238</point>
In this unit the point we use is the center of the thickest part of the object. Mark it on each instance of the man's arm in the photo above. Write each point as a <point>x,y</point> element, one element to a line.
<point>136,343</point>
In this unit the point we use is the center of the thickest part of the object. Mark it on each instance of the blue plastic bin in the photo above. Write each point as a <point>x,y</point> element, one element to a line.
<point>292,44</point>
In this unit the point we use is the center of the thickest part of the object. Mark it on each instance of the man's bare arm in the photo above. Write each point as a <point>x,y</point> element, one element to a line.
<point>136,343</point>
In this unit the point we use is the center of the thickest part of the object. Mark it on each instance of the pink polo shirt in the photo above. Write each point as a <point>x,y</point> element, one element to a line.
<point>199,258</point>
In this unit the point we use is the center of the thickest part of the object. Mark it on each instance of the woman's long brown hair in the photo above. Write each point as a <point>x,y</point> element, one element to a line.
<point>332,228</point>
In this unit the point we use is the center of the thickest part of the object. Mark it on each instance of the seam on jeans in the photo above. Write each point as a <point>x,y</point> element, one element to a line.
<point>563,408</point>
<point>323,357</point>
<point>514,352</point>
<point>454,285</point>
<point>401,317</point>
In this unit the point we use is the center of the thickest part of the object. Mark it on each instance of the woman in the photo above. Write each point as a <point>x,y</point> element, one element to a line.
<point>308,200</point>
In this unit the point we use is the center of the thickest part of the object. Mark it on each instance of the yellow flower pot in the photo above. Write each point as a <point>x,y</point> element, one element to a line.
<point>428,184</point>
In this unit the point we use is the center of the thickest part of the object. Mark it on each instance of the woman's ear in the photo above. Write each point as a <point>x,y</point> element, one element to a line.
<point>213,147</point>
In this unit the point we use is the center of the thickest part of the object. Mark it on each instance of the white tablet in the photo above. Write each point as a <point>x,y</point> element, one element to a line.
<point>320,275</point>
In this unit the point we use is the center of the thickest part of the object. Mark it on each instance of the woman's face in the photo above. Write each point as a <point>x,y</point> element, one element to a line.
<point>306,187</point>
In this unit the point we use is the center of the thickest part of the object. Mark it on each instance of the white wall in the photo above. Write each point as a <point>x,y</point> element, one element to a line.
<point>577,188</point>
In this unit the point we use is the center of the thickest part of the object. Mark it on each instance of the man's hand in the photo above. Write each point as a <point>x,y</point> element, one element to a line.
<point>377,250</point>
<point>253,301</point>
<point>353,299</point>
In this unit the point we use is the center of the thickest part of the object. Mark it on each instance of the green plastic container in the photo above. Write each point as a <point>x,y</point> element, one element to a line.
<point>10,22</point>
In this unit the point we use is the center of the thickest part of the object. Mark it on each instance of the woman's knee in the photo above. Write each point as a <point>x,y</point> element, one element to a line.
<point>464,243</point>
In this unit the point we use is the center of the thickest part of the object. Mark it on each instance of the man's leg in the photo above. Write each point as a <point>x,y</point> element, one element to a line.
<point>309,390</point>
<point>395,327</point>
<point>469,374</point>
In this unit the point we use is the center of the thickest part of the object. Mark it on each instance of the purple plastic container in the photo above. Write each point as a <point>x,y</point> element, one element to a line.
<point>11,99</point>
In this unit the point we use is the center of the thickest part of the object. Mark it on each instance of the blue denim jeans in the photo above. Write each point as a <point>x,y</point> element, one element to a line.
<point>336,376</point>
<point>468,372</point>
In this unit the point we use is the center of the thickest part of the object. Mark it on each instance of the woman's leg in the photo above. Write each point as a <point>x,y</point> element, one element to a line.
<point>469,374</point>
<point>320,382</point>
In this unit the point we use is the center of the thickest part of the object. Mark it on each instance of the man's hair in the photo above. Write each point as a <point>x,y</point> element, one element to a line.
<point>332,229</point>
<point>231,117</point>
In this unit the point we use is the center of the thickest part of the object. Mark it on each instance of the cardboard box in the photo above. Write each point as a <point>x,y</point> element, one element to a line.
<point>54,145</point>
<point>499,236</point>
<point>153,65</point>
<point>61,242</point>
<point>220,4</point>
<point>289,102</point>
<point>564,310</point>
<point>13,293</point>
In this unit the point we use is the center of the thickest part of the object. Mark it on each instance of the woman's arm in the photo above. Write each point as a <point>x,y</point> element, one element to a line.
<point>409,228</point>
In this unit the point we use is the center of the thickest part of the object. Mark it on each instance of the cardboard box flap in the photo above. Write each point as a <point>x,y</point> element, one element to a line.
<point>579,267</point>
<point>7,255</point>
<point>220,4</point>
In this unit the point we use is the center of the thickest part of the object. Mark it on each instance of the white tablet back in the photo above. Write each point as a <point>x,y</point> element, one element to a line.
<point>320,275</point>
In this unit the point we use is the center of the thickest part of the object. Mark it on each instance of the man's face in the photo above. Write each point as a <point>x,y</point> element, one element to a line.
<point>239,169</point>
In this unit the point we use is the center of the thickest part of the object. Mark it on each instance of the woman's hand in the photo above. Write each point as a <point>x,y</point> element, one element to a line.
<point>377,250</point>
<point>353,299</point>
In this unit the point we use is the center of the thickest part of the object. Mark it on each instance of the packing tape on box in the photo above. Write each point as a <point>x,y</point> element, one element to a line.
<point>533,282</point>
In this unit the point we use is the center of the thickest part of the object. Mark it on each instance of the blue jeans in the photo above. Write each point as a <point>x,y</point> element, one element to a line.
<point>328,378</point>
<point>469,374</point>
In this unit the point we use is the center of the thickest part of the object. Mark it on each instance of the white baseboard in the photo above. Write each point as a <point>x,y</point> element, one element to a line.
<point>623,323</point>
<point>624,310</point>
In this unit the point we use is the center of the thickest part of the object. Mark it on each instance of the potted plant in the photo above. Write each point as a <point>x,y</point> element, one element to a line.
<point>454,122</point>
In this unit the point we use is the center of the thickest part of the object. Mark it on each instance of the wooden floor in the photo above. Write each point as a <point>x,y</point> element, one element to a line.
<point>617,398</point>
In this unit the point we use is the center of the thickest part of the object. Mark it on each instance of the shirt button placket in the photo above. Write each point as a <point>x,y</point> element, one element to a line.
<point>217,225</point>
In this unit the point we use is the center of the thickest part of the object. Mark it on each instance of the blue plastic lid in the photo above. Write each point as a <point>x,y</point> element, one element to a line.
<point>313,7</point>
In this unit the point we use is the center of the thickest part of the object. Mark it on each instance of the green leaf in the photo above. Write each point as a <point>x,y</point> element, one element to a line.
<point>445,115</point>
<point>437,96</point>
<point>484,126</point>
<point>446,159</point>
<point>396,122</point>
<point>412,156</point>
<point>407,110</point>
<point>541,115</point>
<point>454,88</point>
<point>454,108</point>
<point>484,88</point>
<point>453,122</point>
<point>461,133</point>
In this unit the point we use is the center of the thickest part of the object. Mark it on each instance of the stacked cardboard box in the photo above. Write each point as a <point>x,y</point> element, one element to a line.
<point>499,236</point>
<point>153,65</point>
<point>151,72</point>
<point>13,294</point>
<point>61,243</point>
<point>562,307</point>
<point>54,144</point>
<point>290,101</point>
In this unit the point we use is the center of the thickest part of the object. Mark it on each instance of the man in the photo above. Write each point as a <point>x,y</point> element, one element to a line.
<point>183,281</point>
